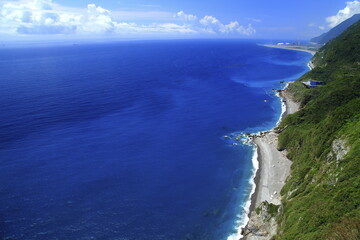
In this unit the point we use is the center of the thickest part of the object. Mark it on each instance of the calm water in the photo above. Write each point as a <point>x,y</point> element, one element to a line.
<point>125,141</point>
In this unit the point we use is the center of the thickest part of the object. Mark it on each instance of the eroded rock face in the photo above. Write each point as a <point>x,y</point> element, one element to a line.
<point>340,149</point>
<point>262,224</point>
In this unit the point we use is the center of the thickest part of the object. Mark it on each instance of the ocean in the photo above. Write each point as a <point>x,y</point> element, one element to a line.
<point>128,141</point>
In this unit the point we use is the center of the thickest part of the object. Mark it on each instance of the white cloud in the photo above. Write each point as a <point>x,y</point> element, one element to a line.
<point>213,25</point>
<point>142,16</point>
<point>351,9</point>
<point>315,26</point>
<point>186,17</point>
<point>33,17</point>
<point>249,30</point>
<point>46,17</point>
<point>97,20</point>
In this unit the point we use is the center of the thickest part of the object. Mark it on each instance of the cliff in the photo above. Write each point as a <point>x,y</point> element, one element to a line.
<point>321,197</point>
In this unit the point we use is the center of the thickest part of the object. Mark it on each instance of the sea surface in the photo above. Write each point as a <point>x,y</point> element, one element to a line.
<point>126,140</point>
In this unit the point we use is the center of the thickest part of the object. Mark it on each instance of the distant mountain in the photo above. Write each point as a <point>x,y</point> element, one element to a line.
<point>336,31</point>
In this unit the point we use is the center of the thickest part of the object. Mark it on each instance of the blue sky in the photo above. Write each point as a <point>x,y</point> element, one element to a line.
<point>276,19</point>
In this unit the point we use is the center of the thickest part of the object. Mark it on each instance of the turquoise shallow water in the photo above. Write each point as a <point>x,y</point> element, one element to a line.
<point>126,140</point>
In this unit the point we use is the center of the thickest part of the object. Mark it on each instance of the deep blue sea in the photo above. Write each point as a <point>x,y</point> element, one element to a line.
<point>125,141</point>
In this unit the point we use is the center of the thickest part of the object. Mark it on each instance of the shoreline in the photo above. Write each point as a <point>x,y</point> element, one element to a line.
<point>273,166</point>
<point>256,181</point>
<point>291,47</point>
<point>269,173</point>
<point>269,180</point>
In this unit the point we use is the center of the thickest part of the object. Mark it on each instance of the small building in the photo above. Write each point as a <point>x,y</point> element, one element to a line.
<point>312,83</point>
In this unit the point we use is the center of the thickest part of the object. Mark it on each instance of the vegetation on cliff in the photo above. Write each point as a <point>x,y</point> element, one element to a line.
<point>322,195</point>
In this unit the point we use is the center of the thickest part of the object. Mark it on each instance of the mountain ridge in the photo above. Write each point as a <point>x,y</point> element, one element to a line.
<point>336,31</point>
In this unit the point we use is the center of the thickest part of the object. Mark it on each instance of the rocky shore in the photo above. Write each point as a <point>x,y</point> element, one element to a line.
<point>273,171</point>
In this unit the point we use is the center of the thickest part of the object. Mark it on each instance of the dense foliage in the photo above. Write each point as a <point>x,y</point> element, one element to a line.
<point>322,194</point>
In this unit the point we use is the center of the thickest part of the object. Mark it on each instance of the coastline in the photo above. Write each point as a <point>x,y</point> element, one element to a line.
<point>273,168</point>
<point>270,170</point>
<point>291,47</point>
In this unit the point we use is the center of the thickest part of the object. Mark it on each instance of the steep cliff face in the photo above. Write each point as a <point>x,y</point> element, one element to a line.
<point>262,224</point>
<point>321,198</point>
<point>323,141</point>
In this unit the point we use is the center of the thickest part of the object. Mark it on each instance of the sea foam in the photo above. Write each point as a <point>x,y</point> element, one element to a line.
<point>243,218</point>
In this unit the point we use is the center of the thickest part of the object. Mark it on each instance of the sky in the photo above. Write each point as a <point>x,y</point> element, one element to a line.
<point>159,19</point>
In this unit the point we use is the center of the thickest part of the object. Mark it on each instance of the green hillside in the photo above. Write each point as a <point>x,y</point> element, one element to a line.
<point>322,196</point>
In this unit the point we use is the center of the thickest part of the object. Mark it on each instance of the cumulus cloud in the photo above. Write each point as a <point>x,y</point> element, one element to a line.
<point>46,17</point>
<point>33,17</point>
<point>213,25</point>
<point>350,10</point>
<point>97,20</point>
<point>185,17</point>
<point>249,30</point>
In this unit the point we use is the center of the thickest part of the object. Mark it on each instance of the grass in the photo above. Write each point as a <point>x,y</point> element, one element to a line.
<point>323,193</point>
